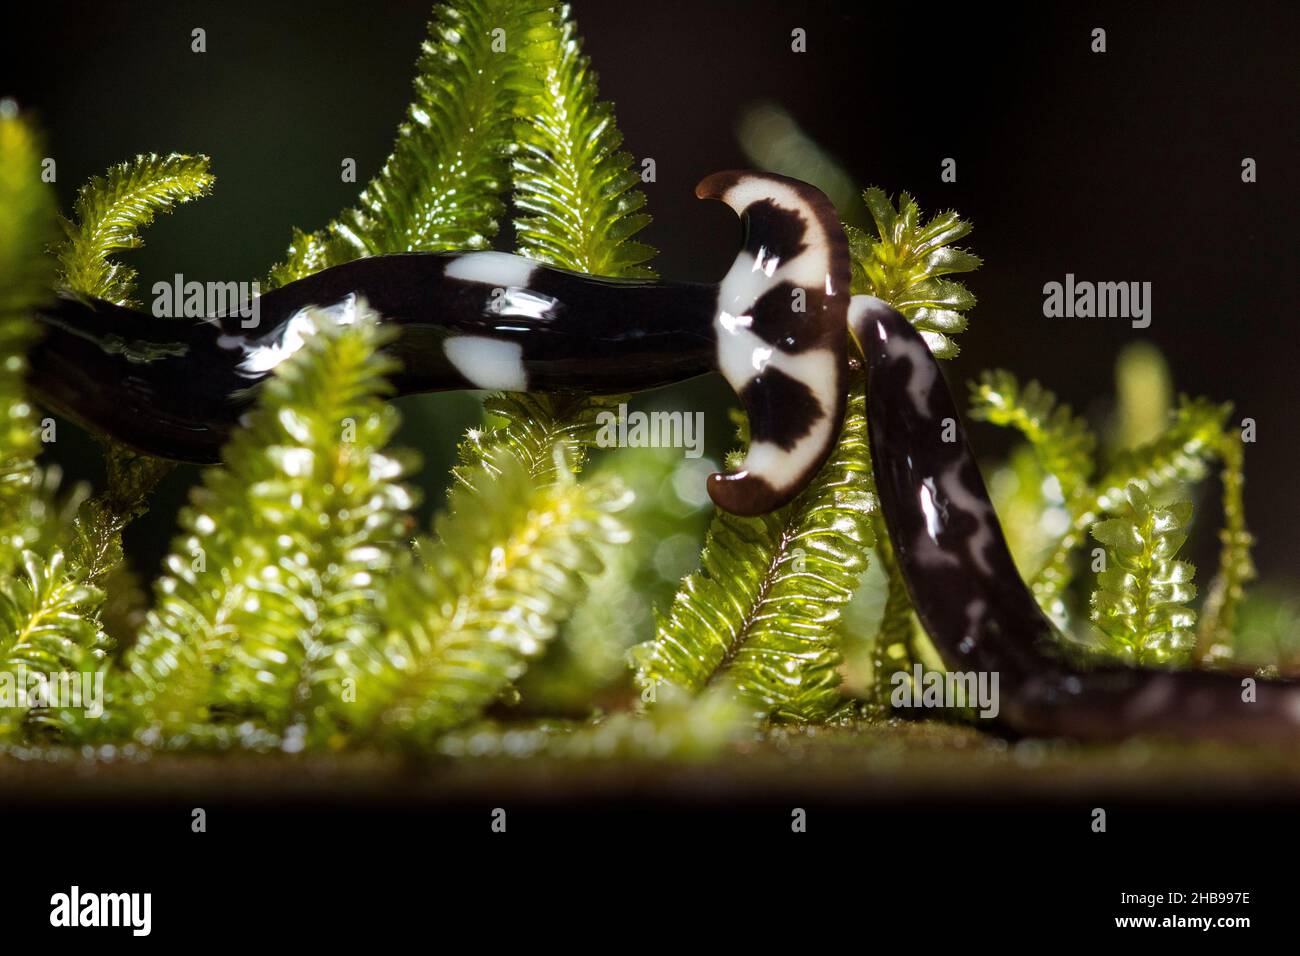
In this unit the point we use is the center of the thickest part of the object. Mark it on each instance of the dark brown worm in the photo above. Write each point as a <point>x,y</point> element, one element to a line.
<point>971,599</point>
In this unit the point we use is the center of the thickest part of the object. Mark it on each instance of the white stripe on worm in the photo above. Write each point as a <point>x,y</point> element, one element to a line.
<point>487,362</point>
<point>491,268</point>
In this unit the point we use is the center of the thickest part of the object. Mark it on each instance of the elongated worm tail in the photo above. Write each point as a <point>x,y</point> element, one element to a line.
<point>775,327</point>
<point>972,601</point>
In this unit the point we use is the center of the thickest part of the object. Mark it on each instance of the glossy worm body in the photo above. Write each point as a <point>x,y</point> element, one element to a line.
<point>777,327</point>
<point>971,599</point>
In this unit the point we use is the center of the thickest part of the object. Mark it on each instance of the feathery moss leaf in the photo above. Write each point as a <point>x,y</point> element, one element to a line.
<point>1179,454</point>
<point>283,547</point>
<point>332,516</point>
<point>441,187</point>
<point>1063,442</point>
<point>586,666</point>
<point>44,631</point>
<point>507,566</point>
<point>550,434</point>
<point>1140,601</point>
<point>94,541</point>
<point>904,262</point>
<point>1218,619</point>
<point>759,613</point>
<point>894,645</point>
<point>579,199</point>
<point>110,211</point>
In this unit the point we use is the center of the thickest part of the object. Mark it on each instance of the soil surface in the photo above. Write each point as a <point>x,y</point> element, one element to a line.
<point>884,762</point>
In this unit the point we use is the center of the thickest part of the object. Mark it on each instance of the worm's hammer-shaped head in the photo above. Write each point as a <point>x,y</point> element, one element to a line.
<point>781,328</point>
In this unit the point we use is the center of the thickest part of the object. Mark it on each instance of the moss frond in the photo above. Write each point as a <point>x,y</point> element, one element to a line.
<point>759,615</point>
<point>1219,613</point>
<point>441,187</point>
<point>283,548</point>
<point>550,434</point>
<point>506,567</point>
<point>894,647</point>
<point>94,540</point>
<point>111,210</point>
<point>1063,442</point>
<point>1140,601</point>
<point>579,198</point>
<point>1178,455</point>
<point>904,262</point>
<point>45,631</point>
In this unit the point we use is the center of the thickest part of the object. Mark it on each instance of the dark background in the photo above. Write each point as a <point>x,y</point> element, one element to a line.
<point>1121,166</point>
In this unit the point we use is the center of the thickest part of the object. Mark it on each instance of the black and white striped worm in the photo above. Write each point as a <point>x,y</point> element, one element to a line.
<point>777,327</point>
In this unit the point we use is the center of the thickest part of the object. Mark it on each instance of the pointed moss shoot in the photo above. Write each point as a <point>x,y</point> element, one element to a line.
<point>1140,604</point>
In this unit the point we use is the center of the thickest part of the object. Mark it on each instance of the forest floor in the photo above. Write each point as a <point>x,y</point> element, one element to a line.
<point>878,761</point>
